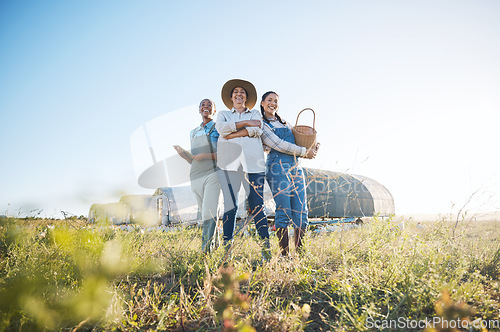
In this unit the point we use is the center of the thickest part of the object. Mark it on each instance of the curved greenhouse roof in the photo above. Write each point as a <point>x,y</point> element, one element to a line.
<point>329,195</point>
<point>337,195</point>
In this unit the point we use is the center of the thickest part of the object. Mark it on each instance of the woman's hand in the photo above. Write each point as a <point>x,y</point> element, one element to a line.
<point>232,135</point>
<point>247,123</point>
<point>202,156</point>
<point>179,150</point>
<point>311,152</point>
<point>253,123</point>
<point>183,153</point>
<point>240,133</point>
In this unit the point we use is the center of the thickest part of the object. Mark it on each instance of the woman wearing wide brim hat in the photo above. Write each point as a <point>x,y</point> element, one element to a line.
<point>241,159</point>
<point>228,88</point>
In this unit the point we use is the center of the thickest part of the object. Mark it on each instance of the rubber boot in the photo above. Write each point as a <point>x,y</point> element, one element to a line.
<point>299,235</point>
<point>266,250</point>
<point>282,234</point>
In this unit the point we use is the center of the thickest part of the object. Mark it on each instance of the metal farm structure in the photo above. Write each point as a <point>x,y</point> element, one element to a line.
<point>331,197</point>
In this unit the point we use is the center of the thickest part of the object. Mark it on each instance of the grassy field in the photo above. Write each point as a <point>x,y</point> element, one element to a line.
<point>69,275</point>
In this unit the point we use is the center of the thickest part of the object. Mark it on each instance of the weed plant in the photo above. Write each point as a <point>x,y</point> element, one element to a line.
<point>76,276</point>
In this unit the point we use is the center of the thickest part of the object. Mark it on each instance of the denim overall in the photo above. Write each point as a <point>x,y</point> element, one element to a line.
<point>202,144</point>
<point>206,188</point>
<point>286,179</point>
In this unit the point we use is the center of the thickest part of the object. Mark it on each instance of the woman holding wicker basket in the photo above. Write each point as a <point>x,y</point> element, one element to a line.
<point>284,173</point>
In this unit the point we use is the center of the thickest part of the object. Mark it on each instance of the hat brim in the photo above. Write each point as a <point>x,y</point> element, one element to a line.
<point>231,84</point>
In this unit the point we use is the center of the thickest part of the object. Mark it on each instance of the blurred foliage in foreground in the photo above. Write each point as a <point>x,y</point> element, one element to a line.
<point>76,276</point>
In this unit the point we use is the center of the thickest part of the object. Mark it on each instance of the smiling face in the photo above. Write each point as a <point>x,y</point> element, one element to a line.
<point>270,105</point>
<point>207,109</point>
<point>239,97</point>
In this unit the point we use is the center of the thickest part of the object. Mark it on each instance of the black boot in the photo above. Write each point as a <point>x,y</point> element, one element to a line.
<point>282,234</point>
<point>299,235</point>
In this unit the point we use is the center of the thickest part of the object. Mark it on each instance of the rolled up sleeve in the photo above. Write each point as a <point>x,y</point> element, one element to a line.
<point>223,126</point>
<point>254,131</point>
<point>270,139</point>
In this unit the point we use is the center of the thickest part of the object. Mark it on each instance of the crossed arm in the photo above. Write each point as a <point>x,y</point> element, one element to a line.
<point>226,126</point>
<point>270,139</point>
<point>240,133</point>
<point>250,128</point>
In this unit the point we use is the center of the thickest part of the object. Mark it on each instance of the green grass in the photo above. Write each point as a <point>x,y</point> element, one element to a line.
<point>71,275</point>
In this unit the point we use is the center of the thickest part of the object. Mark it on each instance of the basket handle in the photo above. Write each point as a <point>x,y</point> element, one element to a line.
<point>314,117</point>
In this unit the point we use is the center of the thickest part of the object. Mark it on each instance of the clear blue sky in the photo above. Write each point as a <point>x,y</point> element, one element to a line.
<point>406,92</point>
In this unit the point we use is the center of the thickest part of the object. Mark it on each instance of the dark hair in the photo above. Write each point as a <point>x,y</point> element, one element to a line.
<point>213,104</point>
<point>246,92</point>
<point>264,96</point>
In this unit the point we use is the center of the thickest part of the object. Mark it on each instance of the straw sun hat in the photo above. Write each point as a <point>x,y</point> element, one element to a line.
<point>231,84</point>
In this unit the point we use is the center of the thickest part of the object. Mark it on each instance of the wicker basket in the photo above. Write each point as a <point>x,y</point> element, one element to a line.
<point>304,135</point>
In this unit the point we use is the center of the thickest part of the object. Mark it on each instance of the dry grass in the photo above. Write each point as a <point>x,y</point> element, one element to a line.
<point>89,277</point>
